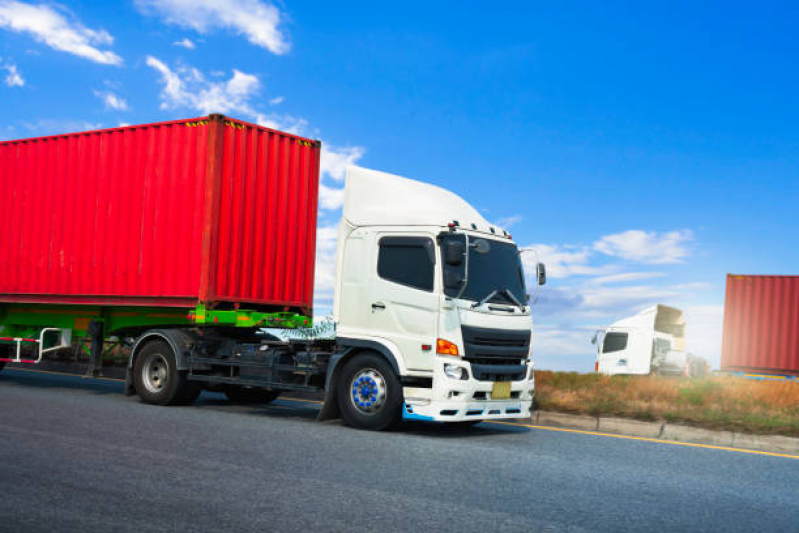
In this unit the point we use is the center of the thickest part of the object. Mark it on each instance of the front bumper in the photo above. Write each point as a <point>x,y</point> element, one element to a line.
<point>451,400</point>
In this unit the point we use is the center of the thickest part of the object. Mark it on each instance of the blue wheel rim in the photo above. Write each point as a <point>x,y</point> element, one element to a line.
<point>367,391</point>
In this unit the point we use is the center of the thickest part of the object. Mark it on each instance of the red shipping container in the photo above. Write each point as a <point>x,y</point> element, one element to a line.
<point>210,210</point>
<point>761,324</point>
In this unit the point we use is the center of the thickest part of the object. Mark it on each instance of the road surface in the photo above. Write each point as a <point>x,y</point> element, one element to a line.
<point>78,455</point>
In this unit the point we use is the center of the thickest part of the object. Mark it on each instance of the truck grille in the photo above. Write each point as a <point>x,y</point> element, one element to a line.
<point>496,354</point>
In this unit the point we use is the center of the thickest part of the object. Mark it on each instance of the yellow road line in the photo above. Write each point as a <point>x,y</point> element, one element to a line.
<point>646,439</point>
<point>301,400</point>
<point>547,428</point>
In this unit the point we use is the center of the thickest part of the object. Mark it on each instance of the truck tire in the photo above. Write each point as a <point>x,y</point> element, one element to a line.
<point>369,393</point>
<point>157,378</point>
<point>239,394</point>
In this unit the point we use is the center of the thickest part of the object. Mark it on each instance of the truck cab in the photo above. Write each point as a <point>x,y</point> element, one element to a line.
<point>423,280</point>
<point>652,341</point>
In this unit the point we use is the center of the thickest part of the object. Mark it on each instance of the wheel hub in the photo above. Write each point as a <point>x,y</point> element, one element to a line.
<point>368,391</point>
<point>155,372</point>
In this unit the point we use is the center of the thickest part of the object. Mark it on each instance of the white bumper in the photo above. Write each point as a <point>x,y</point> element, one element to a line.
<point>453,400</point>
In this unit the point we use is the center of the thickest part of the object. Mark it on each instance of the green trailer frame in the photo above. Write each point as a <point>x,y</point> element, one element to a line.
<point>23,322</point>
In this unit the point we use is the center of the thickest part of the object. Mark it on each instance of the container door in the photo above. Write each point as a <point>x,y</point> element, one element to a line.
<point>405,297</point>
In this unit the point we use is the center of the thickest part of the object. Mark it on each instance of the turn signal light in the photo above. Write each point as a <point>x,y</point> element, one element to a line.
<point>444,347</point>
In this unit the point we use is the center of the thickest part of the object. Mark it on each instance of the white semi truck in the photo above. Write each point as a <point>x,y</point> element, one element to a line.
<point>650,342</point>
<point>210,243</point>
<point>434,297</point>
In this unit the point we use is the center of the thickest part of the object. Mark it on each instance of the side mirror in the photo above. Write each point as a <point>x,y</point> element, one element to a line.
<point>452,279</point>
<point>593,339</point>
<point>481,246</point>
<point>454,253</point>
<point>541,273</point>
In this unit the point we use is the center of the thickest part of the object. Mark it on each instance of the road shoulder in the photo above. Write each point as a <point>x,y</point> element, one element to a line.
<point>666,431</point>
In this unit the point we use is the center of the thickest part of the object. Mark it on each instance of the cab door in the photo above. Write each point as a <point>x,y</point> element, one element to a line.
<point>613,357</point>
<point>405,299</point>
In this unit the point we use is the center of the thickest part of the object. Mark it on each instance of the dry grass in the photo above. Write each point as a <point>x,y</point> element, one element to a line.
<point>770,407</point>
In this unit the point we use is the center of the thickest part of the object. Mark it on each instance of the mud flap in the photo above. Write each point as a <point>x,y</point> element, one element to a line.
<point>330,409</point>
<point>130,389</point>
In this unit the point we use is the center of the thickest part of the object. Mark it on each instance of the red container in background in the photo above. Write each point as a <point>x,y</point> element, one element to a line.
<point>761,324</point>
<point>210,210</point>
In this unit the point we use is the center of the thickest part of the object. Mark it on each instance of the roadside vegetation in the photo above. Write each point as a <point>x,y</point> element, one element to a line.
<point>718,402</point>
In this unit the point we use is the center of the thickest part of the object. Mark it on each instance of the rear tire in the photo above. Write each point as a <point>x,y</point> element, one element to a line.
<point>157,378</point>
<point>369,393</point>
<point>239,394</point>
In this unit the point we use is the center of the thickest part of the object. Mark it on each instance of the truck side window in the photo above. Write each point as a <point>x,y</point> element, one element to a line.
<point>408,261</point>
<point>614,342</point>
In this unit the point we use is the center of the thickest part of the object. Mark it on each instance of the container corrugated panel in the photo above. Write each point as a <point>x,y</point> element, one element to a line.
<point>208,209</point>
<point>761,324</point>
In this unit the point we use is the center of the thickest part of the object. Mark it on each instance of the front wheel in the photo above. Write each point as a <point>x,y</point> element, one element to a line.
<point>369,393</point>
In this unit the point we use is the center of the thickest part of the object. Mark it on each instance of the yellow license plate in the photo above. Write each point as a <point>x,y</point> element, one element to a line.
<point>500,390</point>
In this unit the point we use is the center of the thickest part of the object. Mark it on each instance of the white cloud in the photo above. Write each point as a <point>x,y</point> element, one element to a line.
<point>44,127</point>
<point>13,78</point>
<point>325,270</point>
<point>59,29</point>
<point>647,246</point>
<point>186,43</point>
<point>330,197</point>
<point>187,87</point>
<point>632,297</point>
<point>508,222</point>
<point>7,132</point>
<point>258,21</point>
<point>277,100</point>
<point>562,261</point>
<point>563,347</point>
<point>333,164</point>
<point>111,100</point>
<point>335,160</point>
<point>627,276</point>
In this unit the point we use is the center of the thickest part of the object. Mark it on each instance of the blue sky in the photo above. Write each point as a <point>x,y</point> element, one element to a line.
<point>643,150</point>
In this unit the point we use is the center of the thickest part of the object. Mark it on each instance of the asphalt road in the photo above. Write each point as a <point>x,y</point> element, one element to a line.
<point>78,455</point>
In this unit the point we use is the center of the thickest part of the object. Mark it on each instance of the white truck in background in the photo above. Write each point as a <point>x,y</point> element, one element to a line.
<point>650,342</point>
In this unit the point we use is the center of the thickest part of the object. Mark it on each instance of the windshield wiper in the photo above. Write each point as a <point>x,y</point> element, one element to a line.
<point>510,295</point>
<point>484,300</point>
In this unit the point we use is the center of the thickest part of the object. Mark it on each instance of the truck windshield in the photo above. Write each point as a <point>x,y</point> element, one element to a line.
<point>493,266</point>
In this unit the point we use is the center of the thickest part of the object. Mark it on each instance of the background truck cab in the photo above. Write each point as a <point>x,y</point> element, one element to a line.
<point>651,341</point>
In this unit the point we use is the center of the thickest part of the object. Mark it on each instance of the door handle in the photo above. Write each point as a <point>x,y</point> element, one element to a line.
<point>378,305</point>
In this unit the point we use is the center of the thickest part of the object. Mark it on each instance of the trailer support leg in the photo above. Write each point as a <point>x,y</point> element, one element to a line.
<point>97,334</point>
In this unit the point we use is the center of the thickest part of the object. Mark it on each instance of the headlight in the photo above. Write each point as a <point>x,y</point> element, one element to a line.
<point>455,372</point>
